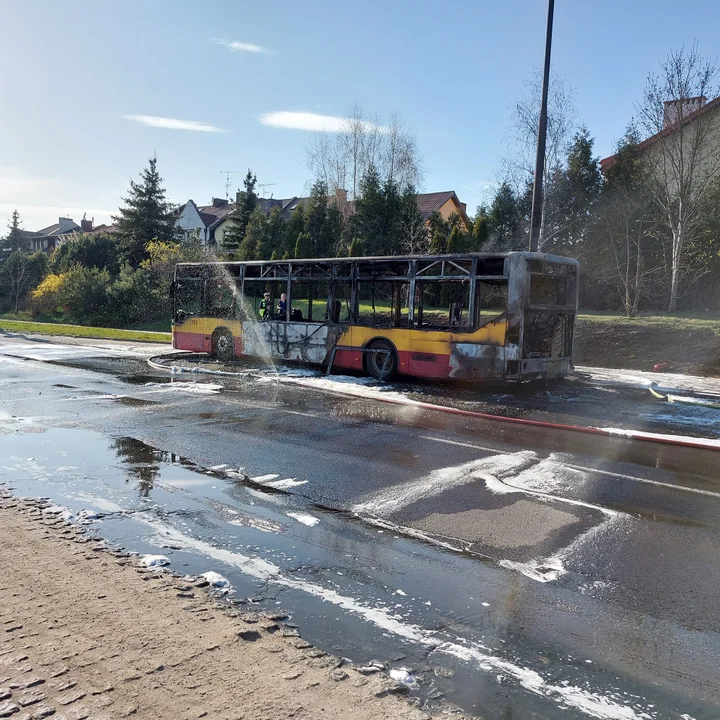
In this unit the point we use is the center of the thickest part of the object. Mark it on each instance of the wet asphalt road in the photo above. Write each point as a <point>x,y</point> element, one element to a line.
<point>516,573</point>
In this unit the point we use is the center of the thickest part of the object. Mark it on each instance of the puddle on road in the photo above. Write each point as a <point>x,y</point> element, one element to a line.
<point>323,569</point>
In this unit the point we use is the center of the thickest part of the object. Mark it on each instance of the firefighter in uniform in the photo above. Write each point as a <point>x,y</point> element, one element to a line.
<point>265,307</point>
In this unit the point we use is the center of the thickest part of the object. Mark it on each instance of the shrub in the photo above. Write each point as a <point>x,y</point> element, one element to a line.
<point>84,295</point>
<point>45,299</point>
<point>130,298</point>
<point>97,250</point>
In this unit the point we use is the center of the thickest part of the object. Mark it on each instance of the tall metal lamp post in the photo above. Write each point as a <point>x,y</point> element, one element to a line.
<point>537,199</point>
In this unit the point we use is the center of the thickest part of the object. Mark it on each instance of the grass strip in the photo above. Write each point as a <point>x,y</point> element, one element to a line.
<point>23,326</point>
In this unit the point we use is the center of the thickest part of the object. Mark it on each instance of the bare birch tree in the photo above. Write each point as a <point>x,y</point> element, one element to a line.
<point>400,162</point>
<point>682,160</point>
<point>518,163</point>
<point>341,159</point>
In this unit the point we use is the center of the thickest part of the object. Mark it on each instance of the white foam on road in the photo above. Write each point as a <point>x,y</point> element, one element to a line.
<point>566,461</point>
<point>543,480</point>
<point>256,523</point>
<point>102,504</point>
<point>390,500</point>
<point>595,704</point>
<point>551,568</point>
<point>267,571</point>
<point>605,706</point>
<point>706,442</point>
<point>642,379</point>
<point>360,387</point>
<point>542,570</point>
<point>271,481</point>
<point>404,676</point>
<point>303,518</point>
<point>194,388</point>
<point>45,351</point>
<point>692,417</point>
<point>216,579</point>
<point>185,482</point>
<point>285,484</point>
<point>60,511</point>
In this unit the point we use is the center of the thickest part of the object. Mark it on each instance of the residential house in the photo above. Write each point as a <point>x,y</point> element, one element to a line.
<point>203,220</point>
<point>693,115</point>
<point>51,236</point>
<point>446,203</point>
<point>285,206</point>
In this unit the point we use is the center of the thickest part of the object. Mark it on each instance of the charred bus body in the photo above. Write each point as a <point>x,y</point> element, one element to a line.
<point>504,316</point>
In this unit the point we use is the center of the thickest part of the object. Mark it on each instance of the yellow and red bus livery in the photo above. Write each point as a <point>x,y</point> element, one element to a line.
<point>474,315</point>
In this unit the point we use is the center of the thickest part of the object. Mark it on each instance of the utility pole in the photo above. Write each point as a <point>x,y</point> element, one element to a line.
<point>537,201</point>
<point>227,174</point>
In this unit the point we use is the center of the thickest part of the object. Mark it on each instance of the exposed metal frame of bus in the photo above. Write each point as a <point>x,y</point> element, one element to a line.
<point>463,268</point>
<point>418,268</point>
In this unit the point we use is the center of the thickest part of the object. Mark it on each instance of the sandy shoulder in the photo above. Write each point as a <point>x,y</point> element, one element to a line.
<point>85,634</point>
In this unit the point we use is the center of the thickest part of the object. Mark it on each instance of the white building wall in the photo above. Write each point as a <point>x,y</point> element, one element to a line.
<point>189,222</point>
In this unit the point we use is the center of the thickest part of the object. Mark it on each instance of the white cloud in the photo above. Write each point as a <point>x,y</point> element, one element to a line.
<point>41,199</point>
<point>236,46</point>
<point>173,123</point>
<point>312,122</point>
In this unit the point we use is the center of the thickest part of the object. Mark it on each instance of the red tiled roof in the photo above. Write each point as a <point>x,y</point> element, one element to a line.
<point>608,162</point>
<point>429,202</point>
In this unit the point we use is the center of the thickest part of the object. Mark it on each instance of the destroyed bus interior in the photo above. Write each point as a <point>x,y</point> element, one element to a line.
<point>508,315</point>
<point>431,293</point>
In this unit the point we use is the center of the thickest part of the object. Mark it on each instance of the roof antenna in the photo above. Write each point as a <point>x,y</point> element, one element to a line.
<point>262,187</point>
<point>227,174</point>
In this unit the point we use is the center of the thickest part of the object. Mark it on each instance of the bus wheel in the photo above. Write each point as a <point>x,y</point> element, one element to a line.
<point>375,361</point>
<point>223,345</point>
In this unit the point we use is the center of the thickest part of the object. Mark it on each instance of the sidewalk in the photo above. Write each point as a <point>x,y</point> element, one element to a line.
<point>612,377</point>
<point>85,633</point>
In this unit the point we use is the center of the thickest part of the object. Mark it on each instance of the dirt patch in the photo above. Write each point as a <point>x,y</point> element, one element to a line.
<point>632,345</point>
<point>84,632</point>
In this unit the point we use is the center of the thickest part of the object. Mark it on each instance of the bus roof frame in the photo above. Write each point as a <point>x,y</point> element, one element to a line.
<point>418,266</point>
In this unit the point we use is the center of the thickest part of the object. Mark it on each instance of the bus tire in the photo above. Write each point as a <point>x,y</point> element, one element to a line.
<point>223,344</point>
<point>374,361</point>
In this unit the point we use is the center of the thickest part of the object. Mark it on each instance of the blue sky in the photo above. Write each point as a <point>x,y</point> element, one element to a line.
<point>73,71</point>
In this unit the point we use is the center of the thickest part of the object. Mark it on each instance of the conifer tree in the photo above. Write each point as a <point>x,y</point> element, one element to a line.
<point>145,217</point>
<point>356,248</point>
<point>303,247</point>
<point>294,226</point>
<point>481,227</point>
<point>246,202</point>
<point>15,239</point>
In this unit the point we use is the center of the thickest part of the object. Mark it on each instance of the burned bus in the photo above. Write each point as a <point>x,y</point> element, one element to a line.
<point>488,316</point>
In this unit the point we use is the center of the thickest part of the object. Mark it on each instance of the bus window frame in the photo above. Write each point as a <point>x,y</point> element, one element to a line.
<point>514,270</point>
